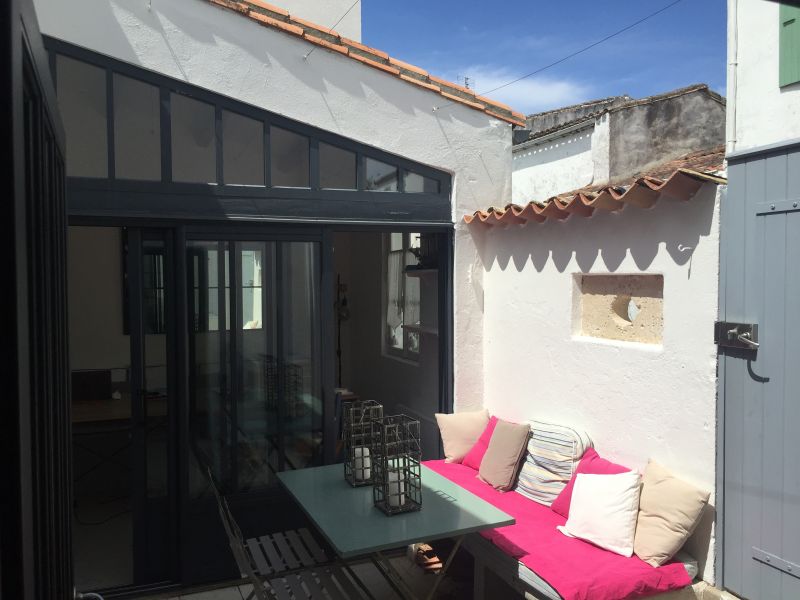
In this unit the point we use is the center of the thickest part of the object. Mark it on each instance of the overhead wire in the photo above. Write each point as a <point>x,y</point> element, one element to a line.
<point>332,27</point>
<point>574,54</point>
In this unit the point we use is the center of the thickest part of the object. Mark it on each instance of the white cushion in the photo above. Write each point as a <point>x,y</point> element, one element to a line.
<point>604,509</point>
<point>460,431</point>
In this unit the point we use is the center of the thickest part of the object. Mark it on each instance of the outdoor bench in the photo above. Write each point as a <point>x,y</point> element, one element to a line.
<point>540,562</point>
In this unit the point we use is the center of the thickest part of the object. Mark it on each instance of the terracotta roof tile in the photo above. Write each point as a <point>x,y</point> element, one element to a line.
<point>279,18</point>
<point>408,67</point>
<point>287,27</point>
<point>269,7</point>
<point>680,178</point>
<point>376,64</point>
<point>320,42</point>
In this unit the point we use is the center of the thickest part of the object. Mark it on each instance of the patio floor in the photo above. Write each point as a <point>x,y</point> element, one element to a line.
<point>456,585</point>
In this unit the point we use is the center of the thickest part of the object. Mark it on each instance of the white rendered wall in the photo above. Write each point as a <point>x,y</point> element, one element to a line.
<point>759,111</point>
<point>636,401</point>
<point>553,167</point>
<point>327,13</point>
<point>220,50</point>
<point>564,164</point>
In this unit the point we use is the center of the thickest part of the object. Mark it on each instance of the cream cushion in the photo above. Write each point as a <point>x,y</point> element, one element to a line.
<point>460,431</point>
<point>507,445</point>
<point>604,510</point>
<point>669,511</point>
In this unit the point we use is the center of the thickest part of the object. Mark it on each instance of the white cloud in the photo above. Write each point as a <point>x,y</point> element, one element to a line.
<point>530,95</point>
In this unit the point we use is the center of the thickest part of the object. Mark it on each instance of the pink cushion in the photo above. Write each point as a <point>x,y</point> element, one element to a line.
<point>475,455</point>
<point>577,570</point>
<point>591,464</point>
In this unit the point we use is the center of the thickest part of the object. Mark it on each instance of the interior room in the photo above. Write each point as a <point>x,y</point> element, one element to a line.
<point>387,324</point>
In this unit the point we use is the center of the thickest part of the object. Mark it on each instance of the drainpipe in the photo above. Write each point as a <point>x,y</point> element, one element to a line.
<point>733,64</point>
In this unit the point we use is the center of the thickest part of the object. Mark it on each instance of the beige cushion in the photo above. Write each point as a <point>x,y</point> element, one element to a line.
<point>669,510</point>
<point>503,456</point>
<point>460,431</point>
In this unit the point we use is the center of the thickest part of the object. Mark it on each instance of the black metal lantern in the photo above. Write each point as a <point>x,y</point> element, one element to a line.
<point>357,434</point>
<point>396,456</point>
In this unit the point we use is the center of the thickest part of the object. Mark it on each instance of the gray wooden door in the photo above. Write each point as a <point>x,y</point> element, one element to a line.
<point>760,389</point>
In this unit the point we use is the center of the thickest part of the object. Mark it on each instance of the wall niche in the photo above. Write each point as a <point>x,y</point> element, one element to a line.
<point>629,308</point>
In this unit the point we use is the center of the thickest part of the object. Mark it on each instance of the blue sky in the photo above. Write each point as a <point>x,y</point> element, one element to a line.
<point>495,42</point>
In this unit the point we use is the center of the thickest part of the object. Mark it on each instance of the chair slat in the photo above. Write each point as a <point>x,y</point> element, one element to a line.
<point>342,577</point>
<point>278,564</point>
<point>280,587</point>
<point>319,554</point>
<point>299,548</point>
<point>286,552</point>
<point>258,557</point>
<point>328,582</point>
<point>310,578</point>
<point>295,583</point>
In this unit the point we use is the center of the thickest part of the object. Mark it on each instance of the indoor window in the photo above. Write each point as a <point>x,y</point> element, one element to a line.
<point>401,299</point>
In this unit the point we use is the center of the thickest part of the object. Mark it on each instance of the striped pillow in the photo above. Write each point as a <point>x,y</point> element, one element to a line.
<point>554,452</point>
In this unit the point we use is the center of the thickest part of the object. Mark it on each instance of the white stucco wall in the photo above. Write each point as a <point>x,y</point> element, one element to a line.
<point>562,164</point>
<point>636,401</point>
<point>759,111</point>
<point>220,50</point>
<point>327,13</point>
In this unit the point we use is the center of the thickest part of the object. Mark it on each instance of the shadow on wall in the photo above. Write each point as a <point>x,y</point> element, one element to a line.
<point>609,237</point>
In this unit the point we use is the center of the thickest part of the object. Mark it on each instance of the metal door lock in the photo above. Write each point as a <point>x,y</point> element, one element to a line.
<point>736,335</point>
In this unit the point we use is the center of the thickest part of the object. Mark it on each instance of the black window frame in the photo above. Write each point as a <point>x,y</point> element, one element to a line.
<point>171,199</point>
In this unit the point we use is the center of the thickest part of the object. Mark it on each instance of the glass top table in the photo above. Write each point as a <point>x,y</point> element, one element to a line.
<point>352,525</point>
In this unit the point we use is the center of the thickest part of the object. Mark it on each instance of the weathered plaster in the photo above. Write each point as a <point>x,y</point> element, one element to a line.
<point>635,400</point>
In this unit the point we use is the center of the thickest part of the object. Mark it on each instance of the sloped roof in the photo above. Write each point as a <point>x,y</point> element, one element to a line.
<point>275,17</point>
<point>614,104</point>
<point>679,178</point>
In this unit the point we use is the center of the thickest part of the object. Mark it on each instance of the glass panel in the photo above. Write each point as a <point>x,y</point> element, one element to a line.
<point>419,184</point>
<point>380,176</point>
<point>258,444</point>
<point>289,161</point>
<point>194,152</point>
<point>302,403</point>
<point>209,391</point>
<point>100,359</point>
<point>395,282</point>
<point>411,303</point>
<point>82,104</point>
<point>156,404</point>
<point>137,129</point>
<point>337,168</point>
<point>242,150</point>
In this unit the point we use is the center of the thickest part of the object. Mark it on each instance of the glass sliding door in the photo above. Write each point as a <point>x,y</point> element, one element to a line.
<point>121,332</point>
<point>254,349</point>
<point>254,382</point>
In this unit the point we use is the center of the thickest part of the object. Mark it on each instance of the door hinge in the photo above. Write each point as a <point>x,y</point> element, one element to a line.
<point>779,563</point>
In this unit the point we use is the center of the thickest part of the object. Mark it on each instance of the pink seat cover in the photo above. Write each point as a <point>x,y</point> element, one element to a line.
<point>577,570</point>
